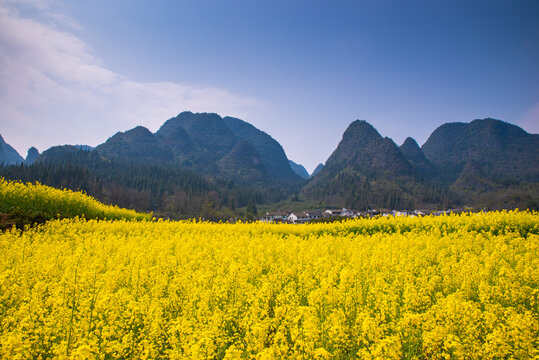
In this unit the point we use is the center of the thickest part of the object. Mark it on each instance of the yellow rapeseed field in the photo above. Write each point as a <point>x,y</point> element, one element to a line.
<point>449,287</point>
<point>26,198</point>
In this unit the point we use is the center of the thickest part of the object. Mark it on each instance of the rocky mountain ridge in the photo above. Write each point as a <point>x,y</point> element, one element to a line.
<point>484,162</point>
<point>209,144</point>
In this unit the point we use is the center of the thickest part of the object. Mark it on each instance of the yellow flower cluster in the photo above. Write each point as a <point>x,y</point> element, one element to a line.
<point>449,287</point>
<point>18,197</point>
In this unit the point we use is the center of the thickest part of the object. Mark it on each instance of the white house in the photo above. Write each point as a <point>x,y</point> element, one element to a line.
<point>332,212</point>
<point>298,217</point>
<point>275,216</point>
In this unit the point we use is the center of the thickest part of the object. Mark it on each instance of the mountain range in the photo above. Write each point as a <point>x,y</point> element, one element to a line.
<point>209,144</point>
<point>194,165</point>
<point>366,170</point>
<point>484,163</point>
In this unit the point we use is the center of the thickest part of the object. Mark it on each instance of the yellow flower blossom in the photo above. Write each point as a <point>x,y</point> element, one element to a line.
<point>456,287</point>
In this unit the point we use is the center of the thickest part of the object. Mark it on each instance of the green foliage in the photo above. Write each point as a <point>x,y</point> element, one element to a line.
<point>251,210</point>
<point>169,192</point>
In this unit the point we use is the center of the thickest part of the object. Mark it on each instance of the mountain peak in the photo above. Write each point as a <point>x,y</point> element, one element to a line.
<point>410,149</point>
<point>139,131</point>
<point>136,134</point>
<point>504,150</point>
<point>188,119</point>
<point>410,142</point>
<point>31,156</point>
<point>500,127</point>
<point>364,148</point>
<point>8,155</point>
<point>361,130</point>
<point>363,160</point>
<point>138,143</point>
<point>318,168</point>
<point>413,153</point>
<point>207,130</point>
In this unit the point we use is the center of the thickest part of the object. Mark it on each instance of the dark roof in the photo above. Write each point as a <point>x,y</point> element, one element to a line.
<point>276,213</point>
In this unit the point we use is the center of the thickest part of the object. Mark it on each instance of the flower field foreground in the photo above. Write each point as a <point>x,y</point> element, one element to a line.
<point>450,287</point>
<point>27,198</point>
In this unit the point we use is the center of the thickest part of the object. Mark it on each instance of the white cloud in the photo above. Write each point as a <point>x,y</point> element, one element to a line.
<point>53,90</point>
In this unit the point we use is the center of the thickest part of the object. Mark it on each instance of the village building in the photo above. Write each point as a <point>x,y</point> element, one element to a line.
<point>373,212</point>
<point>341,212</point>
<point>348,213</point>
<point>304,216</point>
<point>275,216</point>
<point>314,214</point>
<point>299,217</point>
<point>332,212</point>
<point>402,213</point>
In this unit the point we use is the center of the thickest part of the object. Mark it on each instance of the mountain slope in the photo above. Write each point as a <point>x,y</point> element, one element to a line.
<point>365,170</point>
<point>365,150</point>
<point>181,145</point>
<point>271,152</point>
<point>210,137</point>
<point>412,152</point>
<point>486,163</point>
<point>505,151</point>
<point>201,142</point>
<point>145,186</point>
<point>8,155</point>
<point>317,169</point>
<point>230,162</point>
<point>489,163</point>
<point>243,162</point>
<point>137,144</point>
<point>299,169</point>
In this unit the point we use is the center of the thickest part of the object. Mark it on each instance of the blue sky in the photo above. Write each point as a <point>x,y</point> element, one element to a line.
<point>77,72</point>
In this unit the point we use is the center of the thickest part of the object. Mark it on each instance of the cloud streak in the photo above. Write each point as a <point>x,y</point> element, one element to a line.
<point>54,90</point>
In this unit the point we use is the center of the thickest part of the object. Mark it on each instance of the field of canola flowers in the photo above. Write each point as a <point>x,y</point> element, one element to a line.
<point>449,287</point>
<point>50,203</point>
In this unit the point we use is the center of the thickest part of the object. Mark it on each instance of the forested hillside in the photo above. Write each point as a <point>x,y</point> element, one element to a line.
<point>142,186</point>
<point>203,165</point>
<point>483,164</point>
<point>369,171</point>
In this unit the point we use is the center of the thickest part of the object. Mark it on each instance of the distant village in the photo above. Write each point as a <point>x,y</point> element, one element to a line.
<point>301,217</point>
